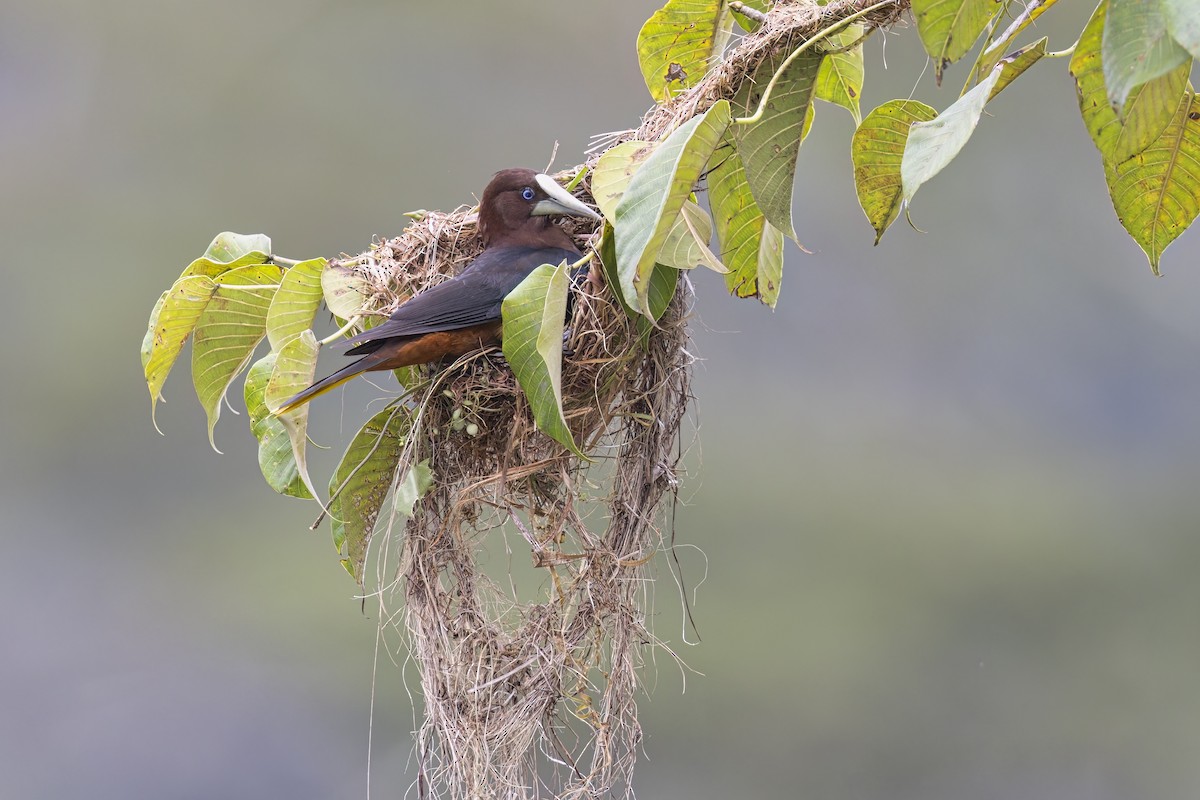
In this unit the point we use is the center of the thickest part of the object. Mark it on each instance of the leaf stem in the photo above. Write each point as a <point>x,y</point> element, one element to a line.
<point>287,262</point>
<point>342,331</point>
<point>248,286</point>
<point>579,176</point>
<point>822,34</point>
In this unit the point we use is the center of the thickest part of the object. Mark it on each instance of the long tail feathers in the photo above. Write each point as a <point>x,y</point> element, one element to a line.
<point>325,384</point>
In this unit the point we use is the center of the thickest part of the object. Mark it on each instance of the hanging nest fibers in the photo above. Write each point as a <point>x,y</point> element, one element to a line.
<point>524,698</point>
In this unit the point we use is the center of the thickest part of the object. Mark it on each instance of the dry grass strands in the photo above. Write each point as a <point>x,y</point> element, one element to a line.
<point>531,697</point>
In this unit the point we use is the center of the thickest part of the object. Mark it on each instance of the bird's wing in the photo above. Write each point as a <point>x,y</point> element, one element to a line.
<point>472,298</point>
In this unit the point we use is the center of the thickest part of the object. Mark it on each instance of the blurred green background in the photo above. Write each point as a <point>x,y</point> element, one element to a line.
<point>942,509</point>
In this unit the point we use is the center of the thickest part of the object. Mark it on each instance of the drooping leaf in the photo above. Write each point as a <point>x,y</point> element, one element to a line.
<point>840,77</point>
<point>686,244</point>
<point>345,291</point>
<point>679,43</point>
<point>749,245</point>
<point>295,365</point>
<point>1148,108</point>
<point>1016,62</point>
<point>663,281</point>
<point>769,147</point>
<point>275,457</point>
<point>1183,23</point>
<point>1136,48</point>
<point>990,55</point>
<point>228,247</point>
<point>934,144</point>
<point>148,339</point>
<point>948,28</point>
<point>614,171</point>
<point>534,316</point>
<point>1156,193</point>
<point>652,202</point>
<point>230,327</point>
<point>877,150</point>
<point>295,304</point>
<point>361,483</point>
<point>173,323</point>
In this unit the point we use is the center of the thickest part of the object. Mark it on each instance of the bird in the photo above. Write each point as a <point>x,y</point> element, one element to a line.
<point>463,313</point>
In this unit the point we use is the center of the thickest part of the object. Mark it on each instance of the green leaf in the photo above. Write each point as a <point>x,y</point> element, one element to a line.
<point>613,172</point>
<point>1148,108</point>
<point>1183,23</point>
<point>877,150</point>
<point>990,55</point>
<point>934,144</point>
<point>173,322</point>
<point>686,244</point>
<point>679,43</point>
<point>1016,62</point>
<point>663,281</point>
<point>749,245</point>
<point>345,291</point>
<point>230,327</point>
<point>361,482</point>
<point>275,457</point>
<point>1156,194</point>
<point>295,304</point>
<point>655,196</point>
<point>295,365</point>
<point>534,315</point>
<point>228,247</point>
<point>148,339</point>
<point>1136,48</point>
<point>769,147</point>
<point>948,28</point>
<point>840,77</point>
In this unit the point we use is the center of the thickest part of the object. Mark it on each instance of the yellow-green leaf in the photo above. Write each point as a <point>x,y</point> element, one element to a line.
<point>345,291</point>
<point>1183,23</point>
<point>656,194</point>
<point>747,243</point>
<point>948,28</point>
<point>361,483</point>
<point>295,304</point>
<point>770,145</point>
<point>686,245</point>
<point>295,365</point>
<point>934,144</point>
<point>230,327</point>
<point>614,171</point>
<point>1156,194</point>
<point>534,315</point>
<point>877,150</point>
<point>1016,62</point>
<point>275,457</point>
<point>148,339</point>
<point>173,321</point>
<point>1136,48</point>
<point>228,247</point>
<point>679,43</point>
<point>663,281</point>
<point>840,78</point>
<point>1148,108</point>
<point>990,55</point>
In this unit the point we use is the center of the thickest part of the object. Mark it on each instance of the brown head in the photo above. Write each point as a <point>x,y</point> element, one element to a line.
<point>516,209</point>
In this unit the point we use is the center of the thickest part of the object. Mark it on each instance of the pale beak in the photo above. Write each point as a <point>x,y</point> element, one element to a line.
<point>559,201</point>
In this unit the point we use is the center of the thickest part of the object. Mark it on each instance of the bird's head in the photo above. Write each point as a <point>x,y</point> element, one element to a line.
<point>516,207</point>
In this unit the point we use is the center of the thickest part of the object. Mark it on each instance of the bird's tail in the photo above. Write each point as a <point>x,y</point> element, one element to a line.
<point>325,384</point>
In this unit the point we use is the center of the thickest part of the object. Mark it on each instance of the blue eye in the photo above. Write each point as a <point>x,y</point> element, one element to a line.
<point>527,193</point>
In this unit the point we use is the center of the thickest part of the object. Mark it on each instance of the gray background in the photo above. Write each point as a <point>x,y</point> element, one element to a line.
<point>946,494</point>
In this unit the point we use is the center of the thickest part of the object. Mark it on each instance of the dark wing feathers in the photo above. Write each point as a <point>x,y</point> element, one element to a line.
<point>472,298</point>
